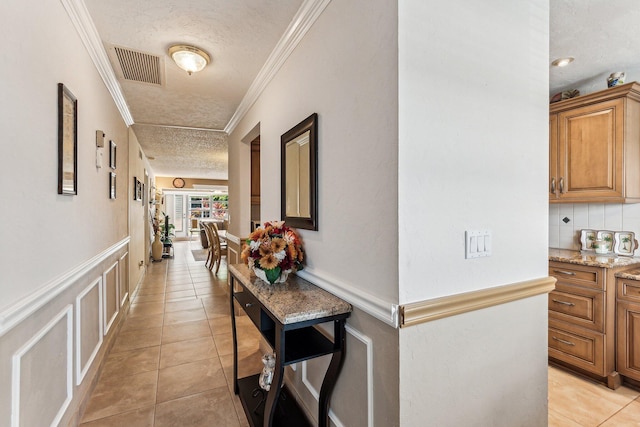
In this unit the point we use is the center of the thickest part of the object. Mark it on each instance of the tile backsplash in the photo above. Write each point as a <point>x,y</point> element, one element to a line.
<point>597,216</point>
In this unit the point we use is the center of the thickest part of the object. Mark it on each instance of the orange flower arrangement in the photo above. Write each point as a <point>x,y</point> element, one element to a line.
<point>273,251</point>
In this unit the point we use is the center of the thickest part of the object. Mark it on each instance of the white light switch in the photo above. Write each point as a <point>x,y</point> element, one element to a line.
<point>477,243</point>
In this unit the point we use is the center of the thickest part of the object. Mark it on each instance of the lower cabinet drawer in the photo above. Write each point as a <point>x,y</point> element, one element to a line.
<point>582,348</point>
<point>628,290</point>
<point>580,306</point>
<point>250,305</point>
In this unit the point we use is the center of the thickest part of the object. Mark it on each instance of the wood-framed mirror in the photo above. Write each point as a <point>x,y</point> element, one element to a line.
<point>299,173</point>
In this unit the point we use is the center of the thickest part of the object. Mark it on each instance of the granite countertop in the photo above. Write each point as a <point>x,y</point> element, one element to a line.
<point>296,300</point>
<point>630,274</point>
<point>591,259</point>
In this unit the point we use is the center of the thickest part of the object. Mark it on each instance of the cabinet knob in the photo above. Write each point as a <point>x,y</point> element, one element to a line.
<point>561,185</point>
<point>248,305</point>
<point>553,185</point>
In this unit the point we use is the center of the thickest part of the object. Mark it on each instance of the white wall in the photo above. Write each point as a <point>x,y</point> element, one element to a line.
<point>64,259</point>
<point>473,143</point>
<point>45,234</point>
<point>473,150</point>
<point>345,69</point>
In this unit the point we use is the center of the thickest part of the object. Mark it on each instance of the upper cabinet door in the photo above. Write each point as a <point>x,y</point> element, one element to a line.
<point>594,147</point>
<point>553,157</point>
<point>591,149</point>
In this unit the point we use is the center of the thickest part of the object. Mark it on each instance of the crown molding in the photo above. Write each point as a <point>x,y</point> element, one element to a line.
<point>304,19</point>
<point>77,11</point>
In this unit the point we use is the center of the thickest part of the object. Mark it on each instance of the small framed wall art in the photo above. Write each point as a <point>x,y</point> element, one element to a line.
<point>112,185</point>
<point>67,141</point>
<point>137,189</point>
<point>112,154</point>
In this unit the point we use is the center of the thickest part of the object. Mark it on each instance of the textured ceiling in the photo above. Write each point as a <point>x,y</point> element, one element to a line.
<point>602,35</point>
<point>188,153</point>
<point>239,35</point>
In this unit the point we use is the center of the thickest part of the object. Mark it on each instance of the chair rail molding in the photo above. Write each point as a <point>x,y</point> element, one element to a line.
<point>382,310</point>
<point>452,305</point>
<point>20,310</point>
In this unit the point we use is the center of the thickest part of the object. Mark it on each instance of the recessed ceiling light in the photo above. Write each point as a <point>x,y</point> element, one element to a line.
<point>563,62</point>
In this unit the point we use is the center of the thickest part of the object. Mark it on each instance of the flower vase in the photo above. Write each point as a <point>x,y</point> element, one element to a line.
<point>263,276</point>
<point>156,248</point>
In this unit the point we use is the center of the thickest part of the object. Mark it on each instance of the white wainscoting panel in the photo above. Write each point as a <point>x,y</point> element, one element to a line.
<point>89,326</point>
<point>16,313</point>
<point>110,298</point>
<point>123,274</point>
<point>369,349</point>
<point>42,374</point>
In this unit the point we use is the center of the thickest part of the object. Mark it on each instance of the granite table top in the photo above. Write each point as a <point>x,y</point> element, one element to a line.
<point>592,259</point>
<point>296,300</point>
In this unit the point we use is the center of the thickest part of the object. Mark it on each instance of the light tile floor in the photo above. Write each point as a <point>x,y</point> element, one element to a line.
<point>171,364</point>
<point>577,402</point>
<point>172,361</point>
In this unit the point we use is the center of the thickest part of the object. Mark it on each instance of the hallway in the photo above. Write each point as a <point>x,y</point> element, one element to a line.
<point>176,350</point>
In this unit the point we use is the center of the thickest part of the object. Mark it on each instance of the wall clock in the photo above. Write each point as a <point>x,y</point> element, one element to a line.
<point>178,183</point>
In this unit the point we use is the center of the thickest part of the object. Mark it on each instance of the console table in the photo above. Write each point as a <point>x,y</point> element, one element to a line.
<point>285,315</point>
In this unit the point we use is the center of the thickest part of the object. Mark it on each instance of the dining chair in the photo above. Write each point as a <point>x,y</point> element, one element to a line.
<point>210,238</point>
<point>219,249</point>
<point>194,228</point>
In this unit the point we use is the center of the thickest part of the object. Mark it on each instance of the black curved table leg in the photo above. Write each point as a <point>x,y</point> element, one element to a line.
<point>331,376</point>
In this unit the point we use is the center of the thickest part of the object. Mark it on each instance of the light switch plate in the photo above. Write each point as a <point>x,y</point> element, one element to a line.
<point>477,243</point>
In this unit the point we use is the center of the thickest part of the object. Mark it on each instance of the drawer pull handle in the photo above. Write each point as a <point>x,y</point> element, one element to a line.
<point>248,305</point>
<point>563,341</point>
<point>568,273</point>
<point>570,304</point>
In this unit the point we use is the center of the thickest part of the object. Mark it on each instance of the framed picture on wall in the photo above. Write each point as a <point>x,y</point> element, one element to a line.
<point>112,154</point>
<point>112,185</point>
<point>137,189</point>
<point>67,141</point>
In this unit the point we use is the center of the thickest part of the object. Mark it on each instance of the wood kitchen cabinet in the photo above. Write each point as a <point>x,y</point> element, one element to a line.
<point>594,147</point>
<point>582,320</point>
<point>628,328</point>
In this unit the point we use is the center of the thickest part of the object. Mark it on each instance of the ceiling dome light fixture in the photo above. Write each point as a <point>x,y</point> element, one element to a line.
<point>189,58</point>
<point>563,62</point>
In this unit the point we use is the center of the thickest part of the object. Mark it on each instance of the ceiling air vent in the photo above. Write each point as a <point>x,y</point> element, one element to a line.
<point>137,66</point>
